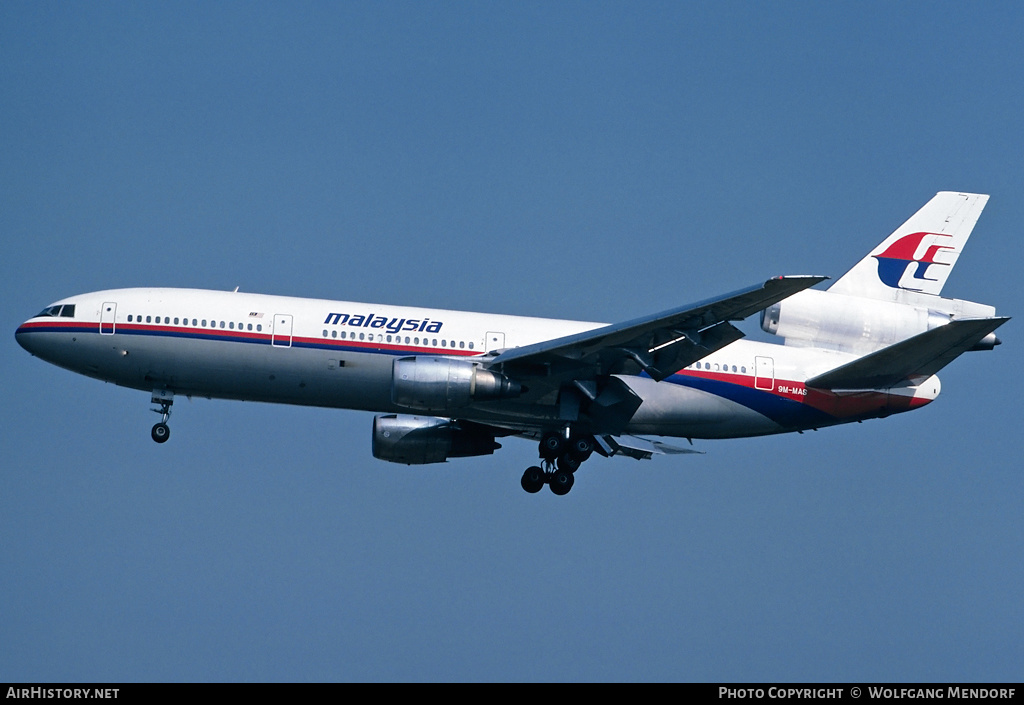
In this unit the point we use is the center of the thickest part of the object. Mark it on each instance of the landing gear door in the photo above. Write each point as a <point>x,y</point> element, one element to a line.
<point>494,341</point>
<point>282,337</point>
<point>764,373</point>
<point>107,316</point>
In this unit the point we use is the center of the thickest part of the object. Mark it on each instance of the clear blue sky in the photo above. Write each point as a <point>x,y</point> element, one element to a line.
<point>597,161</point>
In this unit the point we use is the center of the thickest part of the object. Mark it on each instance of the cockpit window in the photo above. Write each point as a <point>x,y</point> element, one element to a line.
<point>65,311</point>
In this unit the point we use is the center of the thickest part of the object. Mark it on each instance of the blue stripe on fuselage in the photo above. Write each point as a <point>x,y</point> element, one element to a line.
<point>785,412</point>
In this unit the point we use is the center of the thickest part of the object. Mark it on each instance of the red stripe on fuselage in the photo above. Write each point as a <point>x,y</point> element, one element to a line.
<point>243,336</point>
<point>838,405</point>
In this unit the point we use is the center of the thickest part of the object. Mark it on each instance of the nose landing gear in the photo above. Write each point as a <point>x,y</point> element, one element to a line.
<point>161,431</point>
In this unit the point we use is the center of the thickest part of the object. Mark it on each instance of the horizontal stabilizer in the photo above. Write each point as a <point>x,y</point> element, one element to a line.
<point>912,360</point>
<point>639,448</point>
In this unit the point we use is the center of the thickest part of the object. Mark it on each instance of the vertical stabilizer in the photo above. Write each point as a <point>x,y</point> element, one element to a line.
<point>918,257</point>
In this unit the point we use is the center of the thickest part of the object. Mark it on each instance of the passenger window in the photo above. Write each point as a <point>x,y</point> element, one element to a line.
<point>250,326</point>
<point>471,345</point>
<point>259,326</point>
<point>442,343</point>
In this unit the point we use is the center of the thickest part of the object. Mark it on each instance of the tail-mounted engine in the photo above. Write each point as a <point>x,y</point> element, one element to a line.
<point>441,384</point>
<point>856,324</point>
<point>418,440</point>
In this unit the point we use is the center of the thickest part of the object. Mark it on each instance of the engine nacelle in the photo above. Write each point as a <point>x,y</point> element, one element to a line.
<point>444,384</point>
<point>418,440</point>
<point>842,322</point>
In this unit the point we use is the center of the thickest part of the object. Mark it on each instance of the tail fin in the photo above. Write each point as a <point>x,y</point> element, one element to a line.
<point>893,293</point>
<point>918,257</point>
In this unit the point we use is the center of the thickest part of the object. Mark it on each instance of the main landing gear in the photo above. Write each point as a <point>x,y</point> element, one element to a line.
<point>161,431</point>
<point>561,454</point>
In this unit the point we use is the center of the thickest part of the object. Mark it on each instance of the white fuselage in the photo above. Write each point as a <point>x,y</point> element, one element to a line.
<point>339,354</point>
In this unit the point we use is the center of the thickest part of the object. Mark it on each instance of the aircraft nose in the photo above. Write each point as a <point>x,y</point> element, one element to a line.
<point>24,338</point>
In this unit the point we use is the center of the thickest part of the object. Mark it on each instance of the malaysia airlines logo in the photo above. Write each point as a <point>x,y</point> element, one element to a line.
<point>898,257</point>
<point>393,325</point>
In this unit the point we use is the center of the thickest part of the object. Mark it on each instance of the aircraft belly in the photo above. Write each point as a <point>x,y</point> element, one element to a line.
<point>219,369</point>
<point>675,410</point>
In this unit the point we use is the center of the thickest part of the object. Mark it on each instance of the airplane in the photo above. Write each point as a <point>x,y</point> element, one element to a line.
<point>448,384</point>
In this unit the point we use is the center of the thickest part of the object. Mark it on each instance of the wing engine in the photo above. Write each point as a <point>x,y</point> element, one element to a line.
<point>443,384</point>
<point>418,440</point>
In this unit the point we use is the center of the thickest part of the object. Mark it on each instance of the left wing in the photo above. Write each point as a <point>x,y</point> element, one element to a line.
<point>660,345</point>
<point>576,373</point>
<point>637,447</point>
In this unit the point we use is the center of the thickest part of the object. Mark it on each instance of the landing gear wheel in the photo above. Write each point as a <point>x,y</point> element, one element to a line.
<point>551,446</point>
<point>561,482</point>
<point>569,462</point>
<point>533,479</point>
<point>161,432</point>
<point>582,447</point>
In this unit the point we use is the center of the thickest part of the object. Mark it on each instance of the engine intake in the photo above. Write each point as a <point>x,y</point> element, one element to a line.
<point>418,440</point>
<point>442,384</point>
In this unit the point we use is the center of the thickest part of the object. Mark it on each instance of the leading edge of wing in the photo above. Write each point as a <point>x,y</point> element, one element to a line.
<point>644,333</point>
